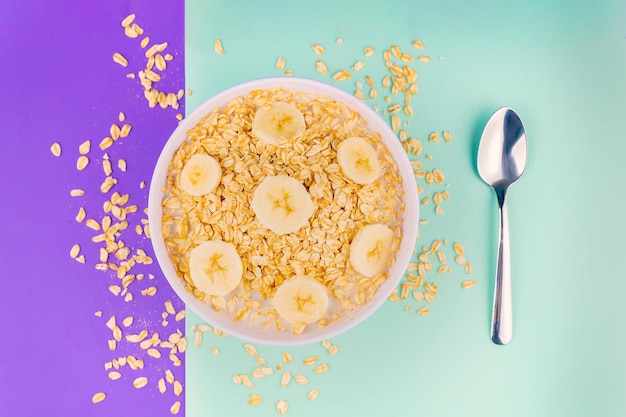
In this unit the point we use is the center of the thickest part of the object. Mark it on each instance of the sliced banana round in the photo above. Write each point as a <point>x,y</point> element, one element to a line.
<point>301,299</point>
<point>370,250</point>
<point>279,123</point>
<point>201,175</point>
<point>282,204</point>
<point>215,267</point>
<point>358,160</point>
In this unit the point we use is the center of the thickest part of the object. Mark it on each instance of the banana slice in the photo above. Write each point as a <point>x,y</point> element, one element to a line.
<point>358,160</point>
<point>201,175</point>
<point>370,249</point>
<point>301,299</point>
<point>215,267</point>
<point>281,122</point>
<point>282,204</point>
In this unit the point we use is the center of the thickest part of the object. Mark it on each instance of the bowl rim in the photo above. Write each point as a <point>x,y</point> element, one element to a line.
<point>375,122</point>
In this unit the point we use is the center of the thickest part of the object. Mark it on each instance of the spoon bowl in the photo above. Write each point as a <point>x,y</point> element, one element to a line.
<point>502,149</point>
<point>501,162</point>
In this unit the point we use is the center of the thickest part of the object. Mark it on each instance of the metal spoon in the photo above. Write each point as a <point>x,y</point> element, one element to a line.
<point>501,161</point>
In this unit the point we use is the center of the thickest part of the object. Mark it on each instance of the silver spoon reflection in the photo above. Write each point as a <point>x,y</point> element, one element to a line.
<point>501,162</point>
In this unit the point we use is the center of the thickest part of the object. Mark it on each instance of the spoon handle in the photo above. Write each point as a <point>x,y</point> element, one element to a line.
<point>502,318</point>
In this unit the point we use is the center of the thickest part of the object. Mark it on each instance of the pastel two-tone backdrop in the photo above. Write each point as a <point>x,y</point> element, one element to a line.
<point>98,333</point>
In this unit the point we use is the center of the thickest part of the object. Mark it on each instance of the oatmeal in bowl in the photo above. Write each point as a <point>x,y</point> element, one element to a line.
<point>283,211</point>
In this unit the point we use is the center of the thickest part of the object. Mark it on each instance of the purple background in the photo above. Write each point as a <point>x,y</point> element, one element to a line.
<point>59,84</point>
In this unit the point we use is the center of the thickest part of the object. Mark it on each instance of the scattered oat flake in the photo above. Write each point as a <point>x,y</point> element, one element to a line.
<point>169,307</point>
<point>423,311</point>
<point>406,57</point>
<point>313,394</point>
<point>418,295</point>
<point>280,63</point>
<point>114,375</point>
<point>77,192</point>
<point>251,349</point>
<point>106,167</point>
<point>458,248</point>
<point>446,136</point>
<point>321,67</point>
<point>468,284</point>
<point>254,399</point>
<point>284,380</point>
<point>311,360</point>
<point>217,45</point>
<point>245,379</point>
<point>140,382</point>
<point>92,224</point>
<point>98,397</point>
<point>125,130</point>
<point>395,123</point>
<point>82,162</point>
<point>128,20</point>
<point>106,143</point>
<point>119,58</point>
<point>423,58</point>
<point>180,315</point>
<point>358,65</point>
<point>368,50</point>
<point>55,148</point>
<point>85,147</point>
<point>418,44</point>
<point>153,353</point>
<point>282,406</point>
<point>161,386</point>
<point>178,388</point>
<point>319,49</point>
<point>341,75</point>
<point>75,251</point>
<point>301,379</point>
<point>121,164</point>
<point>114,130</point>
<point>160,62</point>
<point>321,368</point>
<point>175,408</point>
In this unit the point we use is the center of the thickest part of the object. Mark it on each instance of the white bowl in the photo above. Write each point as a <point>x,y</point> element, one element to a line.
<point>245,329</point>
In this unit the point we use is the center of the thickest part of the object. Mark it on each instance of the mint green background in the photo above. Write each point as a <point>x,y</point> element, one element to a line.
<point>562,66</point>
